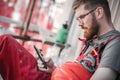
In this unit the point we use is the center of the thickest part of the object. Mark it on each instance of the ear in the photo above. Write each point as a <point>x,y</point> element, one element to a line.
<point>99,12</point>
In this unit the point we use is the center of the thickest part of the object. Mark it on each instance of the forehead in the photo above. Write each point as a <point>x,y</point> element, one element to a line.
<point>80,10</point>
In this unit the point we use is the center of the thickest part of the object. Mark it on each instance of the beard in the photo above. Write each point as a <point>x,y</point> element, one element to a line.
<point>93,30</point>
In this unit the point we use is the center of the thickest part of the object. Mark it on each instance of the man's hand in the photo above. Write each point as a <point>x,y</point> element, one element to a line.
<point>50,65</point>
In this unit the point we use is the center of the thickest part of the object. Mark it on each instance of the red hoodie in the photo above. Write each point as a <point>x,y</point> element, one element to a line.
<point>16,63</point>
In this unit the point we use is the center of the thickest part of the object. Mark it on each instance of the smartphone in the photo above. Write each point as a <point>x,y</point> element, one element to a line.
<point>40,57</point>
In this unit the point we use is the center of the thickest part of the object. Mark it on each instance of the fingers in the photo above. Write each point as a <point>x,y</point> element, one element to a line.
<point>48,70</point>
<point>40,64</point>
<point>49,63</point>
<point>43,69</point>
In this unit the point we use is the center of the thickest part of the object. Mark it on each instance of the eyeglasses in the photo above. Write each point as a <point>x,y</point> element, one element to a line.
<point>83,16</point>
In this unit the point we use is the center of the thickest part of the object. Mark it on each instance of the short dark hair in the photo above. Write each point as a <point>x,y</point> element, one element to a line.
<point>65,26</point>
<point>90,4</point>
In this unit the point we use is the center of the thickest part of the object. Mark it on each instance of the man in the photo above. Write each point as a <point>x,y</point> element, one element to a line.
<point>94,18</point>
<point>62,34</point>
<point>101,54</point>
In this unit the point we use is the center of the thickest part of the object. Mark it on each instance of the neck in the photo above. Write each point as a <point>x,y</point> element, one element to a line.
<point>105,27</point>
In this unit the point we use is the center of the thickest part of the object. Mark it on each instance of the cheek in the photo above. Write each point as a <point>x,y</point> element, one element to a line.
<point>88,23</point>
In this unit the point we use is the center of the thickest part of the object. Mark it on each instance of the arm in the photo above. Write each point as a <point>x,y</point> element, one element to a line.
<point>104,74</point>
<point>109,66</point>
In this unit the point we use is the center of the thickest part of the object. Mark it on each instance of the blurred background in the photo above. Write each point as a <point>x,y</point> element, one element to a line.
<point>37,22</point>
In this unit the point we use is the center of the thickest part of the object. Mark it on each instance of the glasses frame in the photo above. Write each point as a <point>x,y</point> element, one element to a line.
<point>81,17</point>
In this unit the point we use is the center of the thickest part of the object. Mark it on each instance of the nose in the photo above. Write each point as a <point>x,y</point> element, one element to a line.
<point>80,23</point>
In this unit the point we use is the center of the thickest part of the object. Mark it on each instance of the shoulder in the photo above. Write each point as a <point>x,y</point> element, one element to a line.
<point>110,57</point>
<point>114,43</point>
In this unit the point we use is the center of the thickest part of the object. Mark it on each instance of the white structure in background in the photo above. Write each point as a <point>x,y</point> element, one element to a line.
<point>4,30</point>
<point>1,77</point>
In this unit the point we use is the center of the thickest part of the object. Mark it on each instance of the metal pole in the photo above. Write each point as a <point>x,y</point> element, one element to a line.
<point>28,22</point>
